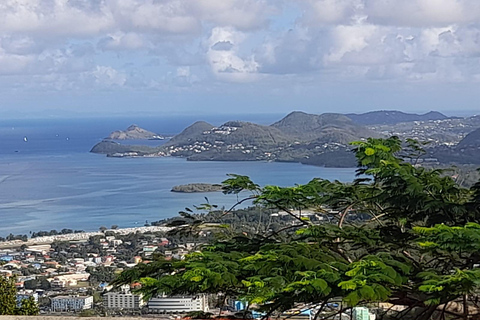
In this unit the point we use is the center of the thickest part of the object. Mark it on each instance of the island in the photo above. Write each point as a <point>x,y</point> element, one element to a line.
<point>197,187</point>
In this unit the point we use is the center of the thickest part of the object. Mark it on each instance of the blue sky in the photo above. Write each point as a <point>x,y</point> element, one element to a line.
<point>98,57</point>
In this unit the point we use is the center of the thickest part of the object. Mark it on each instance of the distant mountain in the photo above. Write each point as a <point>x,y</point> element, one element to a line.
<point>393,117</point>
<point>324,128</point>
<point>299,137</point>
<point>321,140</point>
<point>134,132</point>
<point>467,151</point>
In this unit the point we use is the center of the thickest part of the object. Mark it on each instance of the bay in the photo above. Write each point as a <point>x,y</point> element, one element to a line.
<point>51,182</point>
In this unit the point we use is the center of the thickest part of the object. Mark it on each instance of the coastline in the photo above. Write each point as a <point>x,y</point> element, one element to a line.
<point>79,236</point>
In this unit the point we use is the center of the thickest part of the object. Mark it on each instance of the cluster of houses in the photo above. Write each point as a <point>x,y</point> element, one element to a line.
<point>61,278</point>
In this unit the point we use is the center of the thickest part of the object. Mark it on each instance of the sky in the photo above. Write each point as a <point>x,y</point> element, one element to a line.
<point>175,57</point>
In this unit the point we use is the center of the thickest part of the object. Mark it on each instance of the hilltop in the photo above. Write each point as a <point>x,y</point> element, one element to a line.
<point>134,132</point>
<point>327,127</point>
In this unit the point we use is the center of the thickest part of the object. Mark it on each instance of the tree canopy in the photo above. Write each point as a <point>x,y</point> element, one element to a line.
<point>402,235</point>
<point>8,300</point>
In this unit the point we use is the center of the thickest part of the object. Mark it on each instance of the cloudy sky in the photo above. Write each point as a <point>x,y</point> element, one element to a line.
<point>238,56</point>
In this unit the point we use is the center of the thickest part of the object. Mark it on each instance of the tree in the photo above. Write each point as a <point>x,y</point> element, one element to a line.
<point>28,307</point>
<point>403,234</point>
<point>8,295</point>
<point>8,300</point>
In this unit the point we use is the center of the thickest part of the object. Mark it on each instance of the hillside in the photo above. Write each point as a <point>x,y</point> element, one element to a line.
<point>393,117</point>
<point>471,140</point>
<point>112,148</point>
<point>324,128</point>
<point>232,132</point>
<point>134,132</point>
<point>190,133</point>
<point>234,140</point>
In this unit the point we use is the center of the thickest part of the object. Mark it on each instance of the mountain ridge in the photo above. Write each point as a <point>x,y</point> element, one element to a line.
<point>393,117</point>
<point>307,138</point>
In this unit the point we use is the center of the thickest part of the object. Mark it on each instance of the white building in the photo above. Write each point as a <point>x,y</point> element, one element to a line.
<point>177,304</point>
<point>71,303</point>
<point>121,300</point>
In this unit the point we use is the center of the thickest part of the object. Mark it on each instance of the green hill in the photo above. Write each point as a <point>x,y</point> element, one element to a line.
<point>324,128</point>
<point>471,140</point>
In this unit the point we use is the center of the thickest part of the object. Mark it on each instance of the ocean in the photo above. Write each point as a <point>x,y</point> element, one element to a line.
<point>50,180</point>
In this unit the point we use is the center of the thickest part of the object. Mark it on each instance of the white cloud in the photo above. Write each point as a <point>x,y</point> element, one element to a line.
<point>107,76</point>
<point>293,52</point>
<point>422,13</point>
<point>350,39</point>
<point>324,12</point>
<point>124,41</point>
<point>202,43</point>
<point>51,19</point>
<point>239,14</point>
<point>227,64</point>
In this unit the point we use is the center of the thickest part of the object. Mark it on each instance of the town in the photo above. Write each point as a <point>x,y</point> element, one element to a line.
<point>70,273</point>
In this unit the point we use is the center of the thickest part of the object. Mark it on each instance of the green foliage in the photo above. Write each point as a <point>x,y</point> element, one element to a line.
<point>402,234</point>
<point>8,300</point>
<point>238,183</point>
<point>28,307</point>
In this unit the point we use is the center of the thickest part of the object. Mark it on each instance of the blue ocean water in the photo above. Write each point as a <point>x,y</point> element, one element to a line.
<point>51,181</point>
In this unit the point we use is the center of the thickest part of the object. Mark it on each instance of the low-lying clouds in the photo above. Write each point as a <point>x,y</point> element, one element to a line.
<point>293,51</point>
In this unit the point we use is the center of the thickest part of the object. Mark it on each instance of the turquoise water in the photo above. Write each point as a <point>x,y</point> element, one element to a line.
<point>50,182</point>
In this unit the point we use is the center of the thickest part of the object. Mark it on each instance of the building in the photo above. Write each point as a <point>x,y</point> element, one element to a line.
<point>177,304</point>
<point>123,300</point>
<point>362,313</point>
<point>71,303</point>
<point>6,258</point>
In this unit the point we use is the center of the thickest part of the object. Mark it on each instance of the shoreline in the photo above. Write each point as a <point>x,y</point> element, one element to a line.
<point>79,236</point>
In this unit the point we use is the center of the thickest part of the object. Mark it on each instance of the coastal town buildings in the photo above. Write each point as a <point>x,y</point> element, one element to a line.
<point>71,303</point>
<point>123,300</point>
<point>120,300</point>
<point>178,304</point>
